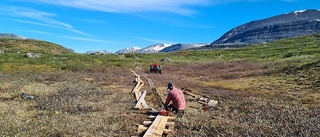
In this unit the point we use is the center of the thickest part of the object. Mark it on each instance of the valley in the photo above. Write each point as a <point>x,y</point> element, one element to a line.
<point>263,90</point>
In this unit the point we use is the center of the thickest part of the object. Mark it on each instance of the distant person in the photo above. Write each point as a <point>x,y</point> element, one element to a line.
<point>175,96</point>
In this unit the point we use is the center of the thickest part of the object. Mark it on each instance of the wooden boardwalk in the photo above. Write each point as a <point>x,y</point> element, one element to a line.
<point>158,127</point>
<point>141,103</point>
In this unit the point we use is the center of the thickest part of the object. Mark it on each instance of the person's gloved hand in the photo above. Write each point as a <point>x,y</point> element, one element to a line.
<point>166,108</point>
<point>163,112</point>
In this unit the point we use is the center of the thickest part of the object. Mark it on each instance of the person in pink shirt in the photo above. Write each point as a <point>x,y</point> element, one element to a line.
<point>175,96</point>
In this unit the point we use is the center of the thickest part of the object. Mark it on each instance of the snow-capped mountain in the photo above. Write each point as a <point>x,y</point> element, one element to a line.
<point>288,25</point>
<point>99,52</point>
<point>153,48</point>
<point>128,50</point>
<point>11,36</point>
<point>178,47</point>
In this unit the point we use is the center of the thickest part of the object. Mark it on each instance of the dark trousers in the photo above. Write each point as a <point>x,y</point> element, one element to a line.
<point>180,113</point>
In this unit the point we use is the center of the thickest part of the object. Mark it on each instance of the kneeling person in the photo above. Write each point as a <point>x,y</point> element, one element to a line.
<point>175,96</point>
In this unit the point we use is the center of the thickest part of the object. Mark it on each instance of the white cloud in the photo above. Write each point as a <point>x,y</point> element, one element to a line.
<point>34,14</point>
<point>40,32</point>
<point>41,18</point>
<point>182,7</point>
<point>52,26</point>
<point>128,6</point>
<point>90,39</point>
<point>221,1</point>
<point>153,40</point>
<point>93,21</point>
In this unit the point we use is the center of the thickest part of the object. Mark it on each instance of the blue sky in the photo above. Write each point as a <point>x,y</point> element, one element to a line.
<point>91,25</point>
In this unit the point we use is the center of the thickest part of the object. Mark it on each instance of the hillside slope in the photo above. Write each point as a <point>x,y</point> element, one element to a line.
<point>179,47</point>
<point>13,45</point>
<point>263,90</point>
<point>293,24</point>
<point>11,36</point>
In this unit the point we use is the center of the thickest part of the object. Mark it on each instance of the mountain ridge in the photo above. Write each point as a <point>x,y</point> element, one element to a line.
<point>154,48</point>
<point>161,47</point>
<point>292,24</point>
<point>179,46</point>
<point>13,43</point>
<point>11,36</point>
<point>287,25</point>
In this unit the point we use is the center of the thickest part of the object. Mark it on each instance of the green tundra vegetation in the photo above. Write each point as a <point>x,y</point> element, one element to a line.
<point>269,89</point>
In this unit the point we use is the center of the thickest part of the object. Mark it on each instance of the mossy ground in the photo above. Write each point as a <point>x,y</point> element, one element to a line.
<point>263,90</point>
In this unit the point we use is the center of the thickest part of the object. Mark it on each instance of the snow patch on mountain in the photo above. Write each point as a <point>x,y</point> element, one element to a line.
<point>178,47</point>
<point>293,24</point>
<point>128,50</point>
<point>100,52</point>
<point>153,48</point>
<point>11,36</point>
<point>299,11</point>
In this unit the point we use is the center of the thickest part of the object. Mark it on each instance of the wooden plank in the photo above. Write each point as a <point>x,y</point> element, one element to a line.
<point>161,126</point>
<point>139,82</point>
<point>154,91</point>
<point>211,103</point>
<point>167,131</point>
<point>156,128</point>
<point>149,81</point>
<point>201,102</point>
<point>169,118</point>
<point>203,99</point>
<point>191,94</point>
<point>141,104</point>
<point>142,128</point>
<point>148,123</point>
<point>137,95</point>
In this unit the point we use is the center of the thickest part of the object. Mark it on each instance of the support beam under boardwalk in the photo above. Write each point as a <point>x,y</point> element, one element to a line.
<point>156,129</point>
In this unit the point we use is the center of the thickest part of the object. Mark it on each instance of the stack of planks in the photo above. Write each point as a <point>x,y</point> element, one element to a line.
<point>201,99</point>
<point>158,127</point>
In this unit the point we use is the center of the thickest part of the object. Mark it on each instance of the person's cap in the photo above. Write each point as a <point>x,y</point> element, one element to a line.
<point>170,86</point>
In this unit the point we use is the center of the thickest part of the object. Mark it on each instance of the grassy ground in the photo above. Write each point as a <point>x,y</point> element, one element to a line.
<point>266,90</point>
